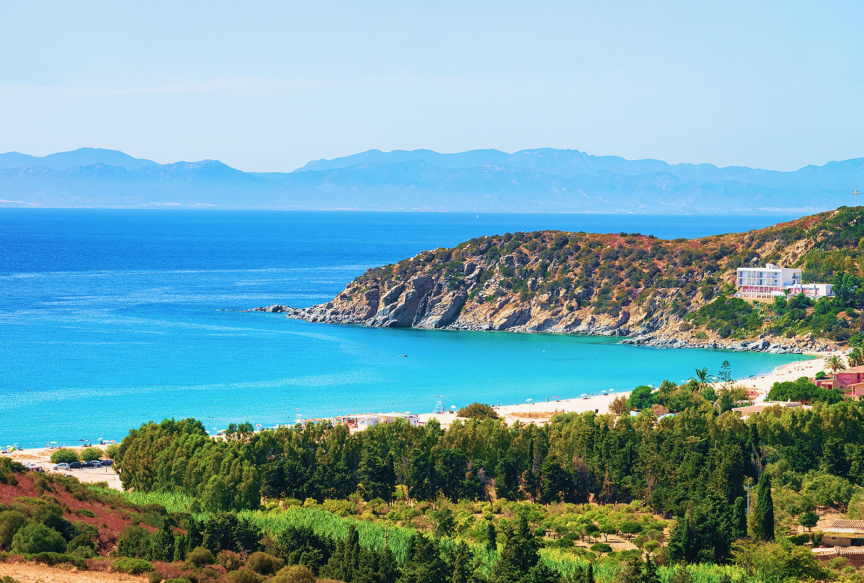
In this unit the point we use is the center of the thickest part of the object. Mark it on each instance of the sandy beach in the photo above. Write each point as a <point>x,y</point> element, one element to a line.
<point>541,412</point>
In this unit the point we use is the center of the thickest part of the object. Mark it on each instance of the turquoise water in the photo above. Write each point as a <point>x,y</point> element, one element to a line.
<point>112,318</point>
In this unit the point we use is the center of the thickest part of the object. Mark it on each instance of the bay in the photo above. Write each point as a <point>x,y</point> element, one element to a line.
<point>111,318</point>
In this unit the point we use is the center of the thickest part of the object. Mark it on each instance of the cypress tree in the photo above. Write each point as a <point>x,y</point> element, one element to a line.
<point>589,573</point>
<point>678,547</point>
<point>491,537</point>
<point>763,526</point>
<point>179,548</point>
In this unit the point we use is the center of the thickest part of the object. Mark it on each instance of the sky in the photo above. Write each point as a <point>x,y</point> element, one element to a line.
<point>269,86</point>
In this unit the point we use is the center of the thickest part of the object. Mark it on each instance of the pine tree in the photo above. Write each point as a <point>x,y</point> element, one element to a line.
<point>763,525</point>
<point>589,573</point>
<point>193,535</point>
<point>519,555</point>
<point>461,568</point>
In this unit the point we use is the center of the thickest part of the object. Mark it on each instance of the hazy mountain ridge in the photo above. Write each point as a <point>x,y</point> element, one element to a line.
<point>541,180</point>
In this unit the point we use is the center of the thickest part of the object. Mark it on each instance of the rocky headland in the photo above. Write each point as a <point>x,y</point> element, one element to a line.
<point>647,290</point>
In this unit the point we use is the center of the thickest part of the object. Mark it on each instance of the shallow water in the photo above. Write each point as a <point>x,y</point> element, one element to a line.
<point>112,318</point>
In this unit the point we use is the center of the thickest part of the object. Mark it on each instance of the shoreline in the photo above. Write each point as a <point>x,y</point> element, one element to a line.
<point>531,412</point>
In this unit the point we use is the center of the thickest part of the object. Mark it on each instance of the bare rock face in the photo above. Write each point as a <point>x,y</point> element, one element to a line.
<point>565,283</point>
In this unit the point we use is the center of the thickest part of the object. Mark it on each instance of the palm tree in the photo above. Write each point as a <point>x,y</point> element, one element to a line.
<point>856,357</point>
<point>835,363</point>
<point>702,376</point>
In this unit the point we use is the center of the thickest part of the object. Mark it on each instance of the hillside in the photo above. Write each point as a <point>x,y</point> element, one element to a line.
<point>538,180</point>
<point>625,284</point>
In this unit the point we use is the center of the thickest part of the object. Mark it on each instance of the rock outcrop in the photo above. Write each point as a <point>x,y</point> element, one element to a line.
<point>627,285</point>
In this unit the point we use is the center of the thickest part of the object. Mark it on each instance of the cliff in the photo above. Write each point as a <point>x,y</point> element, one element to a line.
<point>623,284</point>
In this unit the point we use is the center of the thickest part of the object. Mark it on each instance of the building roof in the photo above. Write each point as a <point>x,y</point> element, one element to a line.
<point>852,370</point>
<point>846,526</point>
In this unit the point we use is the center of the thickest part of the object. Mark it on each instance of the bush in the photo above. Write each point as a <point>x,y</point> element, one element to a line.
<point>155,577</point>
<point>230,560</point>
<point>91,453</point>
<point>294,574</point>
<point>64,456</point>
<point>134,541</point>
<point>178,580</point>
<point>59,559</point>
<point>112,450</point>
<point>264,563</point>
<point>200,556</point>
<point>244,576</point>
<point>11,521</point>
<point>133,566</point>
<point>601,548</point>
<point>38,538</point>
<point>478,411</point>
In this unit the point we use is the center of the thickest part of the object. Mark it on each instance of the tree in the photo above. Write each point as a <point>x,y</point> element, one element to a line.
<point>64,456</point>
<point>91,453</point>
<point>38,538</point>
<point>725,374</point>
<point>11,521</point>
<point>834,363</point>
<point>763,519</point>
<point>808,520</point>
<point>491,537</point>
<point>479,411</point>
<point>519,555</point>
<point>856,357</point>
<point>702,376</point>
<point>294,574</point>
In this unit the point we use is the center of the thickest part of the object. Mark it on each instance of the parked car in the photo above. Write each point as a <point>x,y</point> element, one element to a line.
<point>106,463</point>
<point>76,466</point>
<point>93,464</point>
<point>61,467</point>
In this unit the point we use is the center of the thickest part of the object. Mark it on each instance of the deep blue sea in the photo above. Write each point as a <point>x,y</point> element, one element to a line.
<point>111,318</point>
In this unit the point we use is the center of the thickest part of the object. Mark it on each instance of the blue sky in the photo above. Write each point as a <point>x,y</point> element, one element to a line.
<point>268,86</point>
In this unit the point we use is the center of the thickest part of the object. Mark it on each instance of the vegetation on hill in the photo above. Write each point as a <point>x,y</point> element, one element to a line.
<point>460,484</point>
<point>630,282</point>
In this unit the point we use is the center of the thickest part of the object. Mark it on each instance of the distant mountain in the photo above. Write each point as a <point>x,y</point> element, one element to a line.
<point>79,157</point>
<point>541,180</point>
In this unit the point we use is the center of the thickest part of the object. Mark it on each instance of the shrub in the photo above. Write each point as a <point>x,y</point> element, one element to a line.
<point>134,541</point>
<point>38,538</point>
<point>264,563</point>
<point>82,546</point>
<point>155,577</point>
<point>112,450</point>
<point>91,453</point>
<point>294,574</point>
<point>200,556</point>
<point>478,411</point>
<point>11,521</point>
<point>64,456</point>
<point>601,548</point>
<point>59,559</point>
<point>133,566</point>
<point>244,576</point>
<point>178,580</point>
<point>230,560</point>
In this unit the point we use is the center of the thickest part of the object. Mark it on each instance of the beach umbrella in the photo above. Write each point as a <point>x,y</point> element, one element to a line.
<point>528,400</point>
<point>554,396</point>
<point>452,406</point>
<point>611,390</point>
<point>583,395</point>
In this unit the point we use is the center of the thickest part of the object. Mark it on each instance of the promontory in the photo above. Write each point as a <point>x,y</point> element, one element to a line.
<point>657,292</point>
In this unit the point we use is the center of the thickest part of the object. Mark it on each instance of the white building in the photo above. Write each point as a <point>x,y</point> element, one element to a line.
<point>766,283</point>
<point>364,421</point>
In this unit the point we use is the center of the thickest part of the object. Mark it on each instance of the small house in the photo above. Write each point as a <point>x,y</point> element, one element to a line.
<point>844,533</point>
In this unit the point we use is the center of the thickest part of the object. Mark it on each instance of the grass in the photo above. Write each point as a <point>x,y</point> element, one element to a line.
<point>375,534</point>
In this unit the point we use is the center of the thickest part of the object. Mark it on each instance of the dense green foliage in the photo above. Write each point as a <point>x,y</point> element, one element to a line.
<point>804,391</point>
<point>477,411</point>
<point>64,456</point>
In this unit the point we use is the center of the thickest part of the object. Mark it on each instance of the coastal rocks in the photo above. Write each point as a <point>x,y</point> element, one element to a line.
<point>515,316</point>
<point>441,312</point>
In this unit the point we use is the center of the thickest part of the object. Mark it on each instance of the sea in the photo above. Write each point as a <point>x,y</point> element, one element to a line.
<point>113,318</point>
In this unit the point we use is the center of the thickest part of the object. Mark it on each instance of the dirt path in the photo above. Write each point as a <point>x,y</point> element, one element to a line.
<point>33,573</point>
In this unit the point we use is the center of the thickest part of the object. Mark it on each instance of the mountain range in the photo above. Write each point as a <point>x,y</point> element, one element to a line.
<point>538,180</point>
